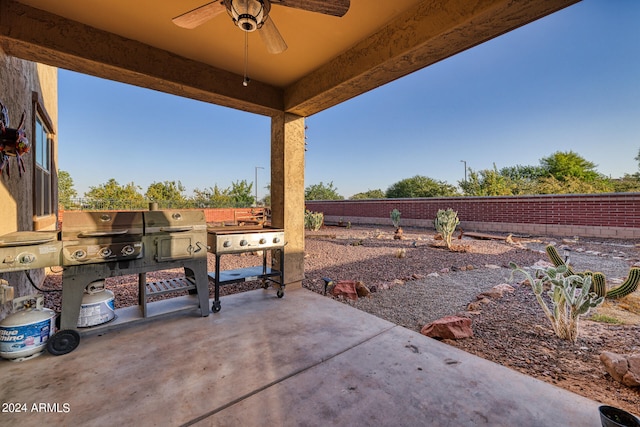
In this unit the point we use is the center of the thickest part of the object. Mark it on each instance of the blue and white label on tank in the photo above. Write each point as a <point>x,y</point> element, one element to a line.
<point>25,337</point>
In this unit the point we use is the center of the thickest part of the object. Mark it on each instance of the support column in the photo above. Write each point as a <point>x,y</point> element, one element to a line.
<point>287,191</point>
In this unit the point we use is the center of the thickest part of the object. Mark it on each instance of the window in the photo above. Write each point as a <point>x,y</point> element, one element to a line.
<point>43,200</point>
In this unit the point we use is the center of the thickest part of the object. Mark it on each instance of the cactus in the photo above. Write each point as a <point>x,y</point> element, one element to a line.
<point>446,222</point>
<point>313,220</point>
<point>630,285</point>
<point>569,295</point>
<point>599,281</point>
<point>395,218</point>
<point>555,258</point>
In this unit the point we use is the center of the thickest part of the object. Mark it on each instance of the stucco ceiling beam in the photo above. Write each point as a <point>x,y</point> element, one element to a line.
<point>428,33</point>
<point>39,36</point>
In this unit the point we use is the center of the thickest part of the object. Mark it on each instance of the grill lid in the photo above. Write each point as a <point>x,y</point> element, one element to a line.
<point>27,238</point>
<point>77,224</point>
<point>174,221</point>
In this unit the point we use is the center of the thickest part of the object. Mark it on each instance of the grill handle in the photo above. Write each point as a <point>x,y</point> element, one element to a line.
<point>176,229</point>
<point>103,233</point>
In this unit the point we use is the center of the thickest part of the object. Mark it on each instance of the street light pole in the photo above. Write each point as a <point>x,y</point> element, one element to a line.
<point>465,169</point>
<point>256,182</point>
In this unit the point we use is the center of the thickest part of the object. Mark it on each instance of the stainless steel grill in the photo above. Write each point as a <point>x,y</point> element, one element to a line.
<point>26,250</point>
<point>97,245</point>
<point>97,237</point>
<point>235,240</point>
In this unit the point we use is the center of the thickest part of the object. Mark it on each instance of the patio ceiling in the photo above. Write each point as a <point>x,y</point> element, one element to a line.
<point>329,59</point>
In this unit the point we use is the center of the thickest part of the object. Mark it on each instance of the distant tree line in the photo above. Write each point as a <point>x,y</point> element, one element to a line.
<point>168,194</point>
<point>559,173</point>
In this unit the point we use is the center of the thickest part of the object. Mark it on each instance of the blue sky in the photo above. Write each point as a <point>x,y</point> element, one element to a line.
<point>570,81</point>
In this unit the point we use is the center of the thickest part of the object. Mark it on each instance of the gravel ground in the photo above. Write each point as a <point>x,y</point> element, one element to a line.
<point>416,280</point>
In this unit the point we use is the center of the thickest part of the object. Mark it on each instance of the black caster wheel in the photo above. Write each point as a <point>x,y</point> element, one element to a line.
<point>280,293</point>
<point>63,342</point>
<point>216,306</point>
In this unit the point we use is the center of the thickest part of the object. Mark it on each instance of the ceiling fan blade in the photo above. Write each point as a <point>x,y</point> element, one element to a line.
<point>199,15</point>
<point>271,37</point>
<point>327,7</point>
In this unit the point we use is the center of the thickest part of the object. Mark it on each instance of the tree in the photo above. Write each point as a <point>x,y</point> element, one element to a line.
<point>561,165</point>
<point>420,186</point>
<point>66,192</point>
<point>240,194</point>
<point>572,185</point>
<point>370,194</point>
<point>488,182</point>
<point>212,197</point>
<point>112,195</point>
<point>322,192</point>
<point>168,193</point>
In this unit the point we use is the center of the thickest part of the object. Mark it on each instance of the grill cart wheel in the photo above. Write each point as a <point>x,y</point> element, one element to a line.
<point>63,342</point>
<point>280,293</point>
<point>216,306</point>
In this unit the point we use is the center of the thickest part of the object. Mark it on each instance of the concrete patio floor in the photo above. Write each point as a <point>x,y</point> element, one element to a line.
<point>304,360</point>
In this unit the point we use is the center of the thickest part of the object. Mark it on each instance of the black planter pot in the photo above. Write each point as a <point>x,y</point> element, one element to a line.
<point>614,417</point>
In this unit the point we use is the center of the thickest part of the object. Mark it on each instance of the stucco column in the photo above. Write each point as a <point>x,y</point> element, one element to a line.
<point>287,191</point>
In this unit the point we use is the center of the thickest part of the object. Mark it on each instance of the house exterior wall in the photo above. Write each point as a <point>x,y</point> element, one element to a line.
<point>615,215</point>
<point>26,87</point>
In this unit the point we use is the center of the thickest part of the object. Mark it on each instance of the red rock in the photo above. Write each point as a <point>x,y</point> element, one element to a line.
<point>449,327</point>
<point>345,288</point>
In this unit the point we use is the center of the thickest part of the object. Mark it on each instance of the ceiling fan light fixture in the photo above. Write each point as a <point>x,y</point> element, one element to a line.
<point>248,15</point>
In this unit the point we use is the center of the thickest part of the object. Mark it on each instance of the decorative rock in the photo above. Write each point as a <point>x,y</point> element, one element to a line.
<point>470,267</point>
<point>444,270</point>
<point>477,305</point>
<point>543,264</point>
<point>345,288</point>
<point>493,266</point>
<point>417,276</point>
<point>362,290</point>
<point>497,291</point>
<point>398,282</point>
<point>622,368</point>
<point>448,327</point>
<point>434,274</point>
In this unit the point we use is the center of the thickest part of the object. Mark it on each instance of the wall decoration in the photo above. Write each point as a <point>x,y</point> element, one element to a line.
<point>13,142</point>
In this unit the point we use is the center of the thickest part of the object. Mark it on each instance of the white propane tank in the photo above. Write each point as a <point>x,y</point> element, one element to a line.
<point>97,305</point>
<point>24,333</point>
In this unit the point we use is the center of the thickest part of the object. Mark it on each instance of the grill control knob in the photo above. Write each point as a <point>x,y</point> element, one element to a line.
<point>127,250</point>
<point>79,254</point>
<point>226,244</point>
<point>27,258</point>
<point>276,240</point>
<point>105,252</point>
<point>263,241</point>
<point>243,242</point>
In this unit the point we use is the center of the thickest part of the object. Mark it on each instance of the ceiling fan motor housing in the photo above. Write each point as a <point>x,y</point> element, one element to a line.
<point>248,15</point>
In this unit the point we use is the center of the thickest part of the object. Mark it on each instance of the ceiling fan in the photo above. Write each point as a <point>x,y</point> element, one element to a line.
<point>252,15</point>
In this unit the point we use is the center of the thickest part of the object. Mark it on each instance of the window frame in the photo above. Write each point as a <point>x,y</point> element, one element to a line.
<point>43,179</point>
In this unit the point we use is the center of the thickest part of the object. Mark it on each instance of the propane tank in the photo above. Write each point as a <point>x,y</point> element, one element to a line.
<point>97,305</point>
<point>24,333</point>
